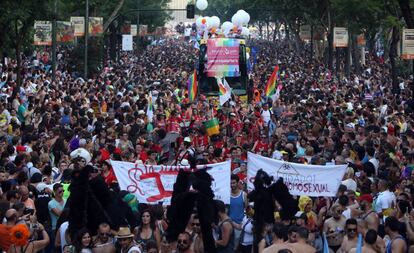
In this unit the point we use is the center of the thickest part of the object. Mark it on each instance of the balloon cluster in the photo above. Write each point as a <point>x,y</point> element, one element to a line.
<point>211,25</point>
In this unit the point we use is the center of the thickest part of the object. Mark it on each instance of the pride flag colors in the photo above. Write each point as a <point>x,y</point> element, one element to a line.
<point>270,88</point>
<point>192,85</point>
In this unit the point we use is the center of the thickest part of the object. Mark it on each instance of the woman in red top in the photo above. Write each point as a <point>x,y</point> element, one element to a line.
<point>107,173</point>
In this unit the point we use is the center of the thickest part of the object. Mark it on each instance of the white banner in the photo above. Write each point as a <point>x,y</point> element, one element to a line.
<point>79,24</point>
<point>301,179</point>
<point>154,184</point>
<point>127,42</point>
<point>408,44</point>
<point>340,37</point>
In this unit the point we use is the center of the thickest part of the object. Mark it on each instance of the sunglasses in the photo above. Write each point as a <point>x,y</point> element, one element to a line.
<point>182,241</point>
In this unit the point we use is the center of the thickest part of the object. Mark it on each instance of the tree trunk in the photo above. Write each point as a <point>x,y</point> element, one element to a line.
<point>114,14</point>
<point>393,55</point>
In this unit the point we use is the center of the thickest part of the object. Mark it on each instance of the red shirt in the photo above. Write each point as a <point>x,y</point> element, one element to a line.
<point>110,178</point>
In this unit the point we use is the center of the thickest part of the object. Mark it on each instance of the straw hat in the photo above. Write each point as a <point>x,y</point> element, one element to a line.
<point>124,232</point>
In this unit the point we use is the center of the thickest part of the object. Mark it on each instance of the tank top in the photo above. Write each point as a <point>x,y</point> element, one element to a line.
<point>236,210</point>
<point>389,245</point>
<point>229,248</point>
<point>140,240</point>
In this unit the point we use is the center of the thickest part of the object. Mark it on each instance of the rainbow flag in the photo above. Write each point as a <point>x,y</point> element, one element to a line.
<point>270,88</point>
<point>192,86</point>
<point>212,127</point>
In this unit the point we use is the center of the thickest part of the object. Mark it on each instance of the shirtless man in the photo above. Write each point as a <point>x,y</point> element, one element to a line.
<point>103,242</point>
<point>367,213</point>
<point>298,241</point>
<point>279,231</point>
<point>363,229</point>
<point>334,228</point>
<point>369,245</point>
<point>351,239</point>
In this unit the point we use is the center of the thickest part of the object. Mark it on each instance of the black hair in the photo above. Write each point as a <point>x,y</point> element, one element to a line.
<point>280,230</point>
<point>351,221</point>
<point>221,207</point>
<point>235,177</point>
<point>392,223</point>
<point>371,236</point>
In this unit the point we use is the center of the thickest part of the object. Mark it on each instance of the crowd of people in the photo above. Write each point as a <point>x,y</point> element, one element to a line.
<point>318,119</point>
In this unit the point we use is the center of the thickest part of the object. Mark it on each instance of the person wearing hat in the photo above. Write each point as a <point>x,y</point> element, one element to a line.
<point>126,241</point>
<point>367,213</point>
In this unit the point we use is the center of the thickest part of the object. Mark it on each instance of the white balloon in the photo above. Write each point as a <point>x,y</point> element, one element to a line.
<point>237,19</point>
<point>245,31</point>
<point>215,21</point>
<point>226,26</point>
<point>201,4</point>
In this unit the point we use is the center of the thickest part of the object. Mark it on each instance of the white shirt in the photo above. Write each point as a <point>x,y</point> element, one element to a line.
<point>248,231</point>
<point>384,200</point>
<point>266,116</point>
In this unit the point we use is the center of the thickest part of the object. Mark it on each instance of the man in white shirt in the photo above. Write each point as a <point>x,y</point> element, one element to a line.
<point>385,199</point>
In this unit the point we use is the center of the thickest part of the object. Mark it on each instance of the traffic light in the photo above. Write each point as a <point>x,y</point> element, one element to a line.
<point>190,11</point>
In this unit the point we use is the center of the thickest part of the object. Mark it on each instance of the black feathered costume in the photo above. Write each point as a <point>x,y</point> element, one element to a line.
<point>91,203</point>
<point>264,195</point>
<point>185,201</point>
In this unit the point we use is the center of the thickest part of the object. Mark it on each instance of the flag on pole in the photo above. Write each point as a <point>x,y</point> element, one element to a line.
<point>150,108</point>
<point>192,86</point>
<point>212,127</point>
<point>325,244</point>
<point>224,90</point>
<point>270,88</point>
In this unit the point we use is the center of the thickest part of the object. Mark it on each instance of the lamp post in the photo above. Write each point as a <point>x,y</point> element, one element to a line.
<point>86,39</point>
<point>54,42</point>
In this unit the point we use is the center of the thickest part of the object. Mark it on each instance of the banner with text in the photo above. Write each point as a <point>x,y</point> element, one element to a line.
<point>301,179</point>
<point>95,26</point>
<point>64,32</point>
<point>223,57</point>
<point>154,183</point>
<point>42,33</point>
<point>79,24</point>
<point>408,44</point>
<point>340,37</point>
<point>134,30</point>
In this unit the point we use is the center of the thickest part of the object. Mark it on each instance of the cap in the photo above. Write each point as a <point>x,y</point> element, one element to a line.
<point>366,197</point>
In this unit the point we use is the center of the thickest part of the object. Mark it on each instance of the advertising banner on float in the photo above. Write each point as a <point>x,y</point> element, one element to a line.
<point>79,25</point>
<point>305,32</point>
<point>95,26</point>
<point>408,44</point>
<point>154,183</point>
<point>223,57</point>
<point>340,37</point>
<point>134,30</point>
<point>127,42</point>
<point>301,179</point>
<point>42,33</point>
<point>64,32</point>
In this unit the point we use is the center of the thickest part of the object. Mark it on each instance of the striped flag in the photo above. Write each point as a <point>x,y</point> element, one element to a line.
<point>150,108</point>
<point>270,88</point>
<point>224,90</point>
<point>192,86</point>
